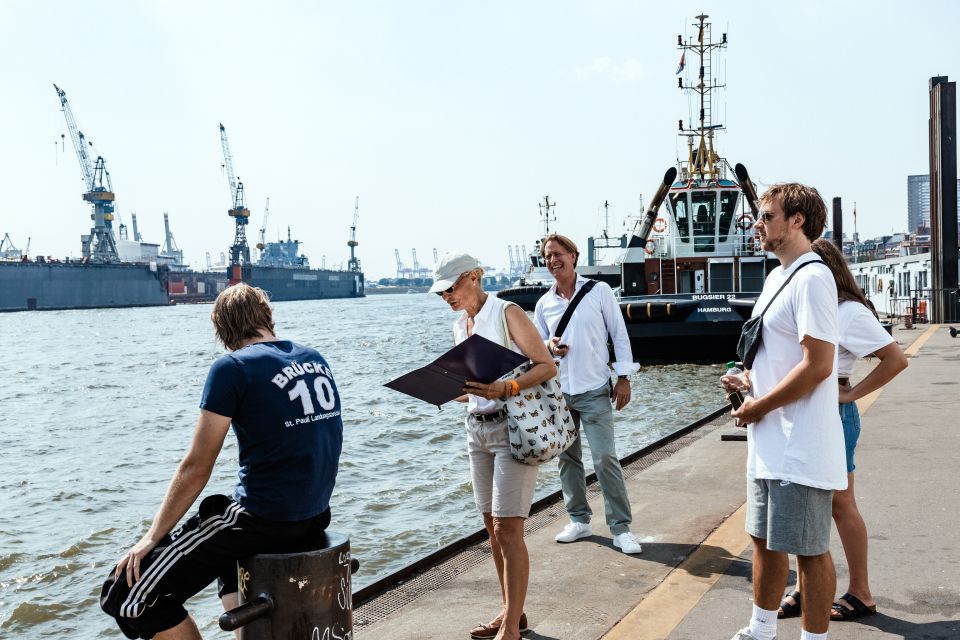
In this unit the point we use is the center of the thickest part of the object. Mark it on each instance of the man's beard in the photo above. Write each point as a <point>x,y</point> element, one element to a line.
<point>771,244</point>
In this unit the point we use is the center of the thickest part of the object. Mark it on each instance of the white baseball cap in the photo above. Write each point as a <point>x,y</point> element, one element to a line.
<point>451,266</point>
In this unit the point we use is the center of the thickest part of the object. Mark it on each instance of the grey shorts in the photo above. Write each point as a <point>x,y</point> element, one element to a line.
<point>791,517</point>
<point>502,486</point>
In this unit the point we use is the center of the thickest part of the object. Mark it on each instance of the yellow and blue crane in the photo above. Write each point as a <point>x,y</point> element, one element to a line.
<point>239,251</point>
<point>100,245</point>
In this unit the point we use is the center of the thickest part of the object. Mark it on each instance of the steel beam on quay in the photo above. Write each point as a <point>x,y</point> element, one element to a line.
<point>692,580</point>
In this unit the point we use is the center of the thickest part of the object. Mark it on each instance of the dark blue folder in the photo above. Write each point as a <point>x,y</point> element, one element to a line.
<point>476,358</point>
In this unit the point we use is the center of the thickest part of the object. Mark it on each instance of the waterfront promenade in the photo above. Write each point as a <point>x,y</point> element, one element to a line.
<point>693,579</point>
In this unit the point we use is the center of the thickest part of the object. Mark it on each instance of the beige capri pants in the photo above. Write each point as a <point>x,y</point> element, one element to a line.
<point>502,486</point>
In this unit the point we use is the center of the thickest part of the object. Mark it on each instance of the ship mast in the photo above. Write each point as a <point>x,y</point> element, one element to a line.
<point>703,161</point>
<point>545,208</point>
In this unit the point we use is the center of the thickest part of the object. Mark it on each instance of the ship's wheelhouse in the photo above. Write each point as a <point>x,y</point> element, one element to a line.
<point>704,218</point>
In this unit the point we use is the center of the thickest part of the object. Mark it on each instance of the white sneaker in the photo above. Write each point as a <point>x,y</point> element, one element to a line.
<point>627,543</point>
<point>744,634</point>
<point>574,531</point>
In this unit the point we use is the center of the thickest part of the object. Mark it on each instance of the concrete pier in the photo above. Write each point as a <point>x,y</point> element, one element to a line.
<point>693,579</point>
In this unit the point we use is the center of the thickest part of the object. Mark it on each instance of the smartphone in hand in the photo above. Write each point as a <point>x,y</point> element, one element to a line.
<point>735,398</point>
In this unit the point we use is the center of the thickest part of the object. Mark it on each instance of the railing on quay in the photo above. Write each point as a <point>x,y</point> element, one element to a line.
<point>917,306</point>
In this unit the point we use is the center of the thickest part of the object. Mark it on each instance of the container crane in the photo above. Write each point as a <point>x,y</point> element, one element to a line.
<point>239,251</point>
<point>136,232</point>
<point>170,248</point>
<point>396,252</point>
<point>354,263</point>
<point>100,245</point>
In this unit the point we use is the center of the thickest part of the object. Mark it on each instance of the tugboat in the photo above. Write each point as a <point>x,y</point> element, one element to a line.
<point>537,279</point>
<point>692,269</point>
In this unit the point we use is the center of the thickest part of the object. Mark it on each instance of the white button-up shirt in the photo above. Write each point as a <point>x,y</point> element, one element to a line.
<point>585,367</point>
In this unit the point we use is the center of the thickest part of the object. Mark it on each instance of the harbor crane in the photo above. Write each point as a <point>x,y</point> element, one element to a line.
<point>8,251</point>
<point>396,252</point>
<point>240,250</point>
<point>136,232</point>
<point>170,248</point>
<point>354,263</point>
<point>100,245</point>
<point>263,227</point>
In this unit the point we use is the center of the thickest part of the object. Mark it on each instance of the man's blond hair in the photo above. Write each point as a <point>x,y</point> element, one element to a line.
<point>240,313</point>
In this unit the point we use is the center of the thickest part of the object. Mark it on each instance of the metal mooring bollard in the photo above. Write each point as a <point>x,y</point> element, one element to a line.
<point>303,595</point>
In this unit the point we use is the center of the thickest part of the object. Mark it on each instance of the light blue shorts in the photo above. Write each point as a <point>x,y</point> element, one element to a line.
<point>850,417</point>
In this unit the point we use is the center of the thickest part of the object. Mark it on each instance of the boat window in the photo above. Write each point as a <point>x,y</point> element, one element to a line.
<point>728,208</point>
<point>721,276</point>
<point>678,202</point>
<point>704,211</point>
<point>751,276</point>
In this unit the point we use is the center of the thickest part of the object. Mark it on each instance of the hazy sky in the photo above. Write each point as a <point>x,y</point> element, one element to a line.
<point>451,120</point>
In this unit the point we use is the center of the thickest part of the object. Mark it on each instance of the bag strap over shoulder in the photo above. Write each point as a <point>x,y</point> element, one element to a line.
<point>789,278</point>
<point>505,329</point>
<point>565,320</point>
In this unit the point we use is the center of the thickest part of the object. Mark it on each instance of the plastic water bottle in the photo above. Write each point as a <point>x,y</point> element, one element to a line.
<point>735,397</point>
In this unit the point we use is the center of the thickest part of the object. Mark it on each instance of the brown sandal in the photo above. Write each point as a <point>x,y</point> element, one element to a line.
<point>490,630</point>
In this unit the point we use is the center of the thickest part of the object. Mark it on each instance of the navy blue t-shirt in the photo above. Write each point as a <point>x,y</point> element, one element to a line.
<point>286,416</point>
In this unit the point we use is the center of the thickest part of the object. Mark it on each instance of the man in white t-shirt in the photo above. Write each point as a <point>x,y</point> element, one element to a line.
<point>795,450</point>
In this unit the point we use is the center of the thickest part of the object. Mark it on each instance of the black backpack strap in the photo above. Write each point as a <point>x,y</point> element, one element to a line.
<point>565,320</point>
<point>789,278</point>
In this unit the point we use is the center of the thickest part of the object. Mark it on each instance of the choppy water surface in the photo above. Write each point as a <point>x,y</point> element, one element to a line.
<point>97,407</point>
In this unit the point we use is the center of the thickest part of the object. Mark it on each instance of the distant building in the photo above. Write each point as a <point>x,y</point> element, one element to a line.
<point>918,202</point>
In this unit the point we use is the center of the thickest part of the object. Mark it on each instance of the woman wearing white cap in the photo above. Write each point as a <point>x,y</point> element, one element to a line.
<point>502,487</point>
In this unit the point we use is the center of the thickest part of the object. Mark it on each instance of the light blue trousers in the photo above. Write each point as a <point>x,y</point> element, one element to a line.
<point>592,412</point>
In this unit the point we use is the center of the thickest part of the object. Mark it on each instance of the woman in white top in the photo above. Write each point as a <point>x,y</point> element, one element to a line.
<point>861,335</point>
<point>502,488</point>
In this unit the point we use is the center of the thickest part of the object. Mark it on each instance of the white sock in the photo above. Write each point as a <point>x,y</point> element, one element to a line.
<point>763,624</point>
<point>806,635</point>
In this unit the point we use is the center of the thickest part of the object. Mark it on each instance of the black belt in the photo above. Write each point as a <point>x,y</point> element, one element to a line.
<point>843,381</point>
<point>496,416</point>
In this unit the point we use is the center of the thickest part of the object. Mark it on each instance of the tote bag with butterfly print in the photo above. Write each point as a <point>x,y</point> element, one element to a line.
<point>538,421</point>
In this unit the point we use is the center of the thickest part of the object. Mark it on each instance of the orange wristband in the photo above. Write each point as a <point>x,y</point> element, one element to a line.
<point>514,388</point>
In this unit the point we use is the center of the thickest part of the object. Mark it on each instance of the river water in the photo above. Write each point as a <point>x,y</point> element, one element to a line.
<point>97,408</point>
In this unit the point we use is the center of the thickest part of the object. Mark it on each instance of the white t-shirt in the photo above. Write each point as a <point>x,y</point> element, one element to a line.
<point>860,335</point>
<point>801,442</point>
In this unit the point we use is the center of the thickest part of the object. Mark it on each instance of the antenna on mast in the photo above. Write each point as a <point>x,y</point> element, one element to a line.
<point>703,161</point>
<point>545,208</point>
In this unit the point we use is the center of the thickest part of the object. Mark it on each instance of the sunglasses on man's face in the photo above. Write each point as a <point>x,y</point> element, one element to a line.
<point>450,289</point>
<point>765,217</point>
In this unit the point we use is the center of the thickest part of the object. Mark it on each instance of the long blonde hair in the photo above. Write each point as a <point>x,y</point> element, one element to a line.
<point>847,287</point>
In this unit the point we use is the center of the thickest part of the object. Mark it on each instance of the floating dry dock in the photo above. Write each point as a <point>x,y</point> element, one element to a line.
<point>693,579</point>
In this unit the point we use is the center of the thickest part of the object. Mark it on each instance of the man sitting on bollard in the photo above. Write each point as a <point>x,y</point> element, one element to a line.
<point>283,404</point>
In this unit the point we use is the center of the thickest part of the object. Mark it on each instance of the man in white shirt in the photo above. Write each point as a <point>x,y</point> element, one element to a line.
<point>795,449</point>
<point>585,380</point>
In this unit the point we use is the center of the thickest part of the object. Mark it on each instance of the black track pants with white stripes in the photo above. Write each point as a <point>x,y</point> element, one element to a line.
<point>204,549</point>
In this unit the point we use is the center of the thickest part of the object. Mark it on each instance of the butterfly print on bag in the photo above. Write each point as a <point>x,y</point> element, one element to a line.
<point>534,414</point>
<point>533,429</point>
<point>517,446</point>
